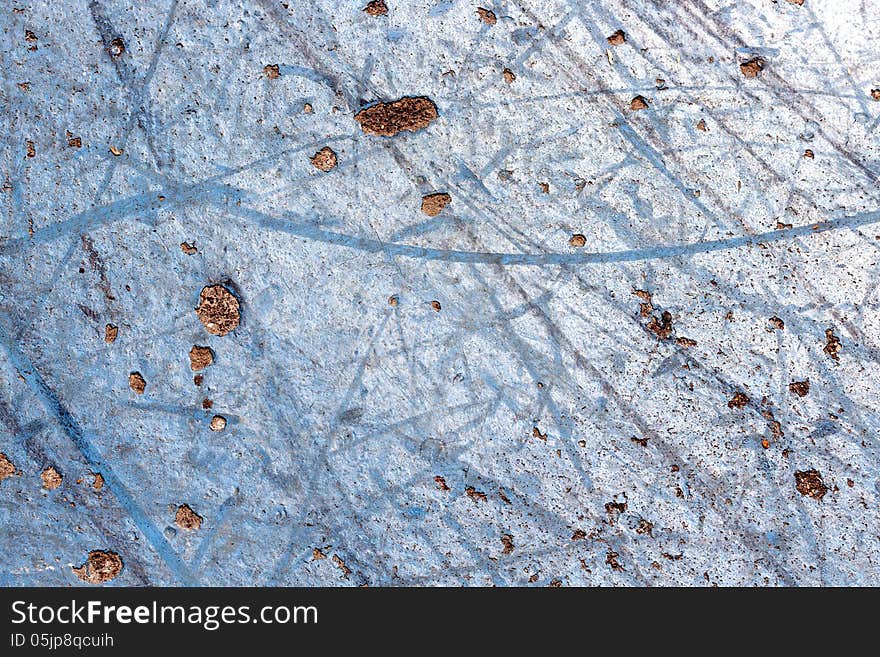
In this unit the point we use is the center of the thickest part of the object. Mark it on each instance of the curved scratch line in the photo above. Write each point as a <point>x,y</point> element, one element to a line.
<point>312,232</point>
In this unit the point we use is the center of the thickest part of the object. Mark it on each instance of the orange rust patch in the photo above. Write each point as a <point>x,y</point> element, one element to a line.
<point>186,518</point>
<point>376,8</point>
<point>325,159</point>
<point>51,478</point>
<point>433,204</point>
<point>753,67</point>
<point>638,103</point>
<point>7,467</point>
<point>218,310</point>
<point>200,358</point>
<point>487,16</point>
<point>137,383</point>
<point>100,567</point>
<point>409,113</point>
<point>618,38</point>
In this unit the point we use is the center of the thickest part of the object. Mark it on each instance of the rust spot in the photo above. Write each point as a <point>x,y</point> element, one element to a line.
<point>638,103</point>
<point>409,113</point>
<point>376,8</point>
<point>200,358</point>
<point>799,388</point>
<point>218,310</point>
<point>7,467</point>
<point>832,344</point>
<point>618,38</point>
<point>100,567</point>
<point>739,400</point>
<point>753,67</point>
<point>51,478</point>
<point>433,204</point>
<point>662,328</point>
<point>186,518</point>
<point>137,383</point>
<point>116,47</point>
<point>474,494</point>
<point>487,16</point>
<point>325,159</point>
<point>809,484</point>
<point>611,559</point>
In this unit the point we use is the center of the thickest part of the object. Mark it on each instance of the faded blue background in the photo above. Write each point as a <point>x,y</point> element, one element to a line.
<point>341,408</point>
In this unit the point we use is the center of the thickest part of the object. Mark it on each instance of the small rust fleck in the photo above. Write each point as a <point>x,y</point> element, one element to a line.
<point>487,16</point>
<point>809,484</point>
<point>474,494</point>
<point>752,68</point>
<point>376,8</point>
<point>325,159</point>
<point>832,344</point>
<point>200,358</point>
<point>186,518</point>
<point>51,478</point>
<point>739,400</point>
<point>137,383</point>
<point>433,204</point>
<point>617,38</point>
<point>116,47</point>
<point>7,467</point>
<point>638,103</point>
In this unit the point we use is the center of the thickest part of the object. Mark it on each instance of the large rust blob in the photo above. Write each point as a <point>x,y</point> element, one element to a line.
<point>388,119</point>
